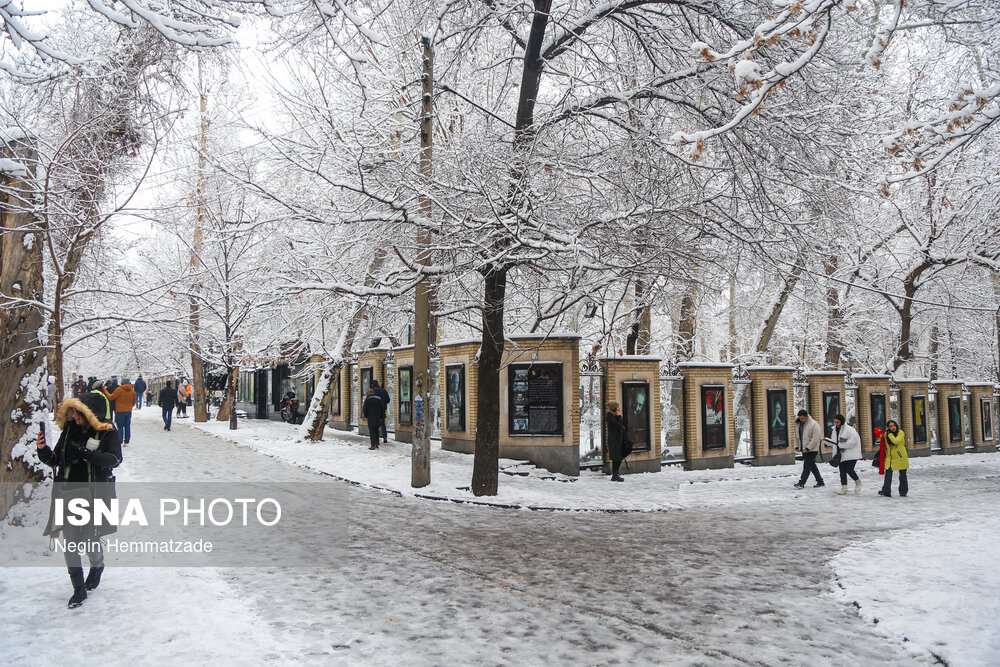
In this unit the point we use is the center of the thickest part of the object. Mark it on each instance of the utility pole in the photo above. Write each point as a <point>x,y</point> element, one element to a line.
<point>197,369</point>
<point>420,471</point>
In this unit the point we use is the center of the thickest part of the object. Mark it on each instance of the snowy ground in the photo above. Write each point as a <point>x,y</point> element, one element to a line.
<point>735,567</point>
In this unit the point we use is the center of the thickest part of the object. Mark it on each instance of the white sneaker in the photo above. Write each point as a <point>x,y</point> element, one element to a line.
<point>843,490</point>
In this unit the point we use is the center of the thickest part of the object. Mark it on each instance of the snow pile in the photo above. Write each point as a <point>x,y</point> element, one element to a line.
<point>746,71</point>
<point>938,589</point>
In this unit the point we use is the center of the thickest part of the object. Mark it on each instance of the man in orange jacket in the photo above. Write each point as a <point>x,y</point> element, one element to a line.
<point>124,399</point>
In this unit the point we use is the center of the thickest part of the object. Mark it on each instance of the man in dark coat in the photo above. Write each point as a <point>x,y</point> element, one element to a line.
<point>140,391</point>
<point>616,439</point>
<point>384,395</point>
<point>167,401</point>
<point>82,461</point>
<point>373,409</point>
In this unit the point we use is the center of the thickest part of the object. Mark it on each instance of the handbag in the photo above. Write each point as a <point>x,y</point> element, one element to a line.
<point>835,459</point>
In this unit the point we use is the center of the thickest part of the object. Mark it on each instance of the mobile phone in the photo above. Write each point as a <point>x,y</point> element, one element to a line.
<point>41,425</point>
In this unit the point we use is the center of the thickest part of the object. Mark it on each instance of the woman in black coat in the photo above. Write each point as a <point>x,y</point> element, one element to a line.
<point>82,461</point>
<point>616,439</point>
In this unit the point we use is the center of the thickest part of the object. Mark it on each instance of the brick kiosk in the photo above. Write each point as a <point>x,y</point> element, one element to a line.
<point>538,403</point>
<point>708,445</point>
<point>981,409</point>
<point>460,376</point>
<point>873,394</point>
<point>822,387</point>
<point>626,379</point>
<point>914,416</point>
<point>950,440</point>
<point>403,357</point>
<point>340,402</point>
<point>772,403</point>
<point>371,363</point>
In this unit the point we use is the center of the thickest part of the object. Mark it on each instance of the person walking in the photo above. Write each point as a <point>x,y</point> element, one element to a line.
<point>140,391</point>
<point>81,469</point>
<point>895,459</point>
<point>384,395</point>
<point>373,410</point>
<point>79,386</point>
<point>616,439</point>
<point>50,394</point>
<point>149,397</point>
<point>181,400</point>
<point>167,400</point>
<point>849,444</point>
<point>124,399</point>
<point>808,438</point>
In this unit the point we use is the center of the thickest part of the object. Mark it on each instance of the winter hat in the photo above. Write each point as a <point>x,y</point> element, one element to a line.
<point>92,406</point>
<point>52,378</point>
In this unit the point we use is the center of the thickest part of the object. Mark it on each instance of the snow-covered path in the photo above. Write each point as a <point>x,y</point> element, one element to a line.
<point>429,583</point>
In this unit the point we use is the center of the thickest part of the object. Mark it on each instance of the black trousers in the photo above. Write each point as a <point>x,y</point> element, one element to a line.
<point>847,468</point>
<point>615,467</point>
<point>904,486</point>
<point>809,466</point>
<point>373,432</point>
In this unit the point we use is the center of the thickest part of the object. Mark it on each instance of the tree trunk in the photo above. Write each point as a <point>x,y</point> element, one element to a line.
<point>996,325</point>
<point>234,377</point>
<point>485,468</point>
<point>834,320</point>
<point>933,353</point>
<point>639,336</point>
<point>687,324</point>
<point>313,428</point>
<point>779,305</point>
<point>22,360</point>
<point>486,465</point>
<point>314,423</point>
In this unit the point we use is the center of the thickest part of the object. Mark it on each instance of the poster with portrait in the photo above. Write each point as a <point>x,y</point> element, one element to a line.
<point>876,402</point>
<point>831,408</point>
<point>406,395</point>
<point>713,417</point>
<point>636,413</point>
<point>335,394</point>
<point>777,418</point>
<point>366,381</point>
<point>919,405</point>
<point>535,399</point>
<point>986,418</point>
<point>454,402</point>
<point>955,433</point>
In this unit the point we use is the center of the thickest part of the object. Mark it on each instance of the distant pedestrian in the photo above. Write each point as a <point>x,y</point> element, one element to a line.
<point>895,459</point>
<point>79,386</point>
<point>149,397</point>
<point>112,384</point>
<point>373,409</point>
<point>140,391</point>
<point>616,439</point>
<point>808,438</point>
<point>181,400</point>
<point>50,394</point>
<point>123,398</point>
<point>97,387</point>
<point>384,395</point>
<point>167,400</point>
<point>849,443</point>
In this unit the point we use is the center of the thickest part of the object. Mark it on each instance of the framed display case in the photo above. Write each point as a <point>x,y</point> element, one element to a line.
<point>535,399</point>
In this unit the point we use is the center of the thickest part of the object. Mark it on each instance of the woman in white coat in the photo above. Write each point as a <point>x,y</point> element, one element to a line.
<point>849,443</point>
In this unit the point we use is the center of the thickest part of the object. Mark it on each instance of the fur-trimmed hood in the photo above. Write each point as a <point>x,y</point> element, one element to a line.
<point>86,406</point>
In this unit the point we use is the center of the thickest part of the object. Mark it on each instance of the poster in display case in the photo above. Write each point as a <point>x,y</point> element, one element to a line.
<point>535,399</point>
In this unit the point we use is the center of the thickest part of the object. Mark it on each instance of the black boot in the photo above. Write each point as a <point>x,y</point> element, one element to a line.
<point>94,578</point>
<point>79,592</point>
